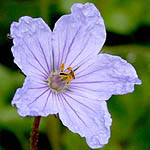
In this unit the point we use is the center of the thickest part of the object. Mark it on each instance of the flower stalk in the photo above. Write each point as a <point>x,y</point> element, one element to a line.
<point>35,134</point>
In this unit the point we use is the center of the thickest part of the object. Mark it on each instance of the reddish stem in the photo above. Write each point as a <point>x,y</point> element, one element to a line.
<point>35,133</point>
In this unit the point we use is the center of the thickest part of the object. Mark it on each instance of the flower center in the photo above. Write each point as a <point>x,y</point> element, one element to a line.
<point>58,81</point>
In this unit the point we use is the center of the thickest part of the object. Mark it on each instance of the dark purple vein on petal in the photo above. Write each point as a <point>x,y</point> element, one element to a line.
<point>89,73</point>
<point>42,73</point>
<point>61,101</point>
<point>79,102</point>
<point>74,111</point>
<point>64,46</point>
<point>41,49</point>
<point>53,61</point>
<point>83,104</point>
<point>50,51</point>
<point>58,63</point>
<point>35,57</point>
<point>47,100</point>
<point>44,55</point>
<point>42,83</point>
<point>53,99</point>
<point>39,87</point>
<point>92,82</point>
<point>80,51</point>
<point>77,93</point>
<point>38,96</point>
<point>78,90</point>
<point>69,48</point>
<point>82,62</point>
<point>84,88</point>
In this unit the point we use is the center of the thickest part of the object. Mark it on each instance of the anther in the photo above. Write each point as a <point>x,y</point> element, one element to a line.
<point>62,67</point>
<point>69,69</point>
<point>71,72</point>
<point>65,75</point>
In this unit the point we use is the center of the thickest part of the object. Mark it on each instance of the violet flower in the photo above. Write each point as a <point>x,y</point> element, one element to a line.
<point>66,76</point>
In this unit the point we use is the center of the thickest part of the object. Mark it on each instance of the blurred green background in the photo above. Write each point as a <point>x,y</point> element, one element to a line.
<point>128,35</point>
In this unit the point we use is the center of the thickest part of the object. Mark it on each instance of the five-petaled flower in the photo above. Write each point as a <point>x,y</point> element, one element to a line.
<point>66,76</point>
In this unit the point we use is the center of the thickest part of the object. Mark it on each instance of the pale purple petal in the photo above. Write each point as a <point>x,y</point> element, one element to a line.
<point>35,99</point>
<point>90,119</point>
<point>79,36</point>
<point>32,48</point>
<point>109,75</point>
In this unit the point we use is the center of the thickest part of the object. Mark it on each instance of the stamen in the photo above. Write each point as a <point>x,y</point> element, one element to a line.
<point>69,69</point>
<point>71,72</point>
<point>66,76</point>
<point>68,79</point>
<point>62,67</point>
<point>63,75</point>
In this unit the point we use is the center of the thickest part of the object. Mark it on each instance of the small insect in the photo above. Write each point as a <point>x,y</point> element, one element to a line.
<point>65,75</point>
<point>9,37</point>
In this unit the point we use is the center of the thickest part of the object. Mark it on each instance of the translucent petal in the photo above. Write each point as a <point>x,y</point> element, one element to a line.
<point>32,48</point>
<point>90,119</point>
<point>79,36</point>
<point>109,75</point>
<point>35,99</point>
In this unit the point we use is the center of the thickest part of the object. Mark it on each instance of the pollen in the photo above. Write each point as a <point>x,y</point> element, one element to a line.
<point>66,75</point>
